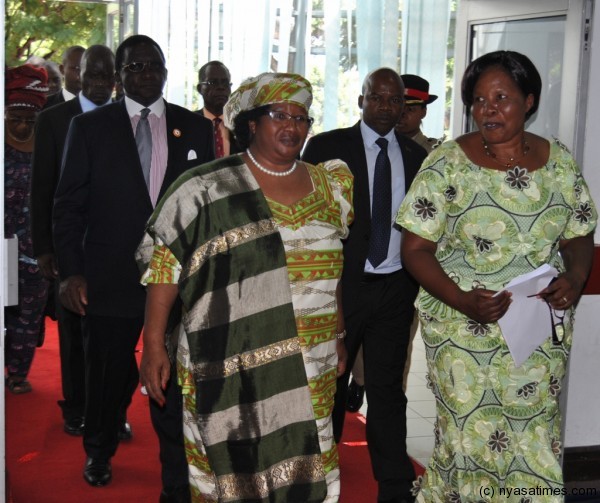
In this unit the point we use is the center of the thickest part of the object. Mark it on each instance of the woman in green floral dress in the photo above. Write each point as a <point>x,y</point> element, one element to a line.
<point>490,206</point>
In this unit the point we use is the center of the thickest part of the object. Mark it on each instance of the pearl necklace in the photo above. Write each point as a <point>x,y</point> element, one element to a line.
<point>511,160</point>
<point>18,140</point>
<point>268,171</point>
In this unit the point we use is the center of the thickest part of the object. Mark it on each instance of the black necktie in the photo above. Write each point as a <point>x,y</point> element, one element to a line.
<point>143,139</point>
<point>381,210</point>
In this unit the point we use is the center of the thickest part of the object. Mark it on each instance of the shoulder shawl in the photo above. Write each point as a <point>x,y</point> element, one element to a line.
<point>253,403</point>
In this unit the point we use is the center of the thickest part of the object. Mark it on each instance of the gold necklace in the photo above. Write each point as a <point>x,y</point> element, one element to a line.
<point>512,161</point>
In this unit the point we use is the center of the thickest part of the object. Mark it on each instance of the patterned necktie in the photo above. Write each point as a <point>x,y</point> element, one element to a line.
<point>143,139</point>
<point>381,211</point>
<point>219,148</point>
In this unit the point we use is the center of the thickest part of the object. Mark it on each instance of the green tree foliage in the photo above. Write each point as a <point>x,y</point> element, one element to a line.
<point>46,28</point>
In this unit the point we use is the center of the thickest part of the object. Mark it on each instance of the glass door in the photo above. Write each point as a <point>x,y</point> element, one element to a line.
<point>121,21</point>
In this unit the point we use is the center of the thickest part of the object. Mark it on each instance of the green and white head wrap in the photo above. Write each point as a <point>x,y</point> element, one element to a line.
<point>267,89</point>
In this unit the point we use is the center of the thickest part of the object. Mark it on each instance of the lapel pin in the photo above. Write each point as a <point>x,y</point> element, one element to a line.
<point>176,133</point>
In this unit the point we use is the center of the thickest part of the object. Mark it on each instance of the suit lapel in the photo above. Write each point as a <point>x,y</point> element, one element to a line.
<point>174,132</point>
<point>67,111</point>
<point>362,198</point>
<point>131,159</point>
<point>357,147</point>
<point>74,107</point>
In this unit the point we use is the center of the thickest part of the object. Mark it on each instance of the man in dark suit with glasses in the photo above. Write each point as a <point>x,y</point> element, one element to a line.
<point>119,160</point>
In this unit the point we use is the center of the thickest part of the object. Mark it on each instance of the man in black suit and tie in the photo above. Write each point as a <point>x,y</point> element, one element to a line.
<point>52,125</point>
<point>119,160</point>
<point>377,293</point>
<point>214,85</point>
<point>70,70</point>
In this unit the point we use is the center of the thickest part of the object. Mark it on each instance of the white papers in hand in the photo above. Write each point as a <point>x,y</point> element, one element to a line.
<point>527,323</point>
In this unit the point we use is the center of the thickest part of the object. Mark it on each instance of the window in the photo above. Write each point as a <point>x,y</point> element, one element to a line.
<point>334,43</point>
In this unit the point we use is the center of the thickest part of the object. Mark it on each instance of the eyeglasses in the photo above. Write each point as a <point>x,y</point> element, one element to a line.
<point>558,326</point>
<point>140,66</point>
<point>283,118</point>
<point>216,83</point>
<point>19,120</point>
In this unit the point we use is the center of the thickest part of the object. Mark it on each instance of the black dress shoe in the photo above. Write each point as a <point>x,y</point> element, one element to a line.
<point>356,395</point>
<point>97,471</point>
<point>175,495</point>
<point>125,432</point>
<point>74,426</point>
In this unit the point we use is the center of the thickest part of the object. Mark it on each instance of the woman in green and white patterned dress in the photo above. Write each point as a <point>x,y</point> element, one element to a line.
<point>490,206</point>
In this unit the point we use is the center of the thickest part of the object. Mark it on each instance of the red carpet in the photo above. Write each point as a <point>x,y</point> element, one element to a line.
<point>44,465</point>
<point>358,484</point>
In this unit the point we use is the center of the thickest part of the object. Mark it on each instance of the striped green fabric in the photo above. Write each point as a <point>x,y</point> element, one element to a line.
<point>253,404</point>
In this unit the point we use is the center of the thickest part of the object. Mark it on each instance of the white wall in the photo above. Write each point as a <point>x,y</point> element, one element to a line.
<point>582,427</point>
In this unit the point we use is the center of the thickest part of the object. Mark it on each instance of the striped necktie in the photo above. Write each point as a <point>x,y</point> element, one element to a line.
<point>219,147</point>
<point>143,140</point>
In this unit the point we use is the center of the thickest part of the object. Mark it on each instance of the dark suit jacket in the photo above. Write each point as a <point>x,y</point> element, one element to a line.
<point>233,146</point>
<point>55,99</point>
<point>51,130</point>
<point>347,144</point>
<point>102,203</point>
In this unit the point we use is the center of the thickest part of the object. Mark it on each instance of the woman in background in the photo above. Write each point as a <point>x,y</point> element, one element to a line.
<point>492,205</point>
<point>25,95</point>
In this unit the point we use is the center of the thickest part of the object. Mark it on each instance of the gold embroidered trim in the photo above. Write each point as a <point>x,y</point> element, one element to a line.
<point>223,242</point>
<point>247,360</point>
<point>299,470</point>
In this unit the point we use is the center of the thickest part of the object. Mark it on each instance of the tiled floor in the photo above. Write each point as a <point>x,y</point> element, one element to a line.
<point>420,413</point>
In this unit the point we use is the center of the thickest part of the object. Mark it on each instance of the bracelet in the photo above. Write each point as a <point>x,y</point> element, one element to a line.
<point>341,335</point>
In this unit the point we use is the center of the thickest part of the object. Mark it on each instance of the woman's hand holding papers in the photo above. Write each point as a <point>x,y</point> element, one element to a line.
<point>563,291</point>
